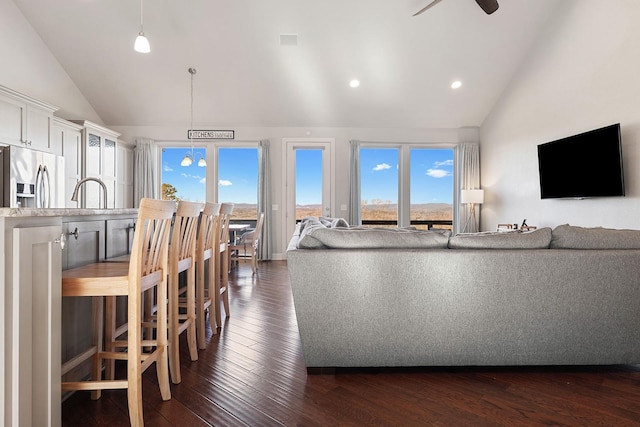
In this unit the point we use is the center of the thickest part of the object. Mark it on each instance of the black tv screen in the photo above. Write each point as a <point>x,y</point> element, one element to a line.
<point>584,165</point>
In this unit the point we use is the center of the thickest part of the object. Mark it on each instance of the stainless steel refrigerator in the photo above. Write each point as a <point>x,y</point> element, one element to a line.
<point>31,178</point>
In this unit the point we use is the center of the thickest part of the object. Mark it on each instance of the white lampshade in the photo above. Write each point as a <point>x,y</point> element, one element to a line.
<point>186,161</point>
<point>142,44</point>
<point>472,196</point>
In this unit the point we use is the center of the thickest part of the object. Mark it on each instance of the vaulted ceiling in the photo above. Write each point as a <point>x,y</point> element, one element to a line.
<point>245,77</point>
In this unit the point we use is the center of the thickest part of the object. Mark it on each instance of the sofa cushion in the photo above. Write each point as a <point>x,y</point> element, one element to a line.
<point>573,237</point>
<point>536,239</point>
<point>307,227</point>
<point>372,238</point>
<point>333,222</point>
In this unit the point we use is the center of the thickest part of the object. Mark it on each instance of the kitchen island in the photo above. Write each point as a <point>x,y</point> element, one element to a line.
<point>35,337</point>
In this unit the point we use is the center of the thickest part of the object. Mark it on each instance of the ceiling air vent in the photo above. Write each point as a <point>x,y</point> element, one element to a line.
<point>288,40</point>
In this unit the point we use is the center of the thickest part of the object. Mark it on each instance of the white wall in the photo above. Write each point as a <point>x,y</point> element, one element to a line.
<point>584,73</point>
<point>276,134</point>
<point>29,67</point>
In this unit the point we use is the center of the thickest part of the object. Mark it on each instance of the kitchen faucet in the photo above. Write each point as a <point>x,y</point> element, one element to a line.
<point>74,197</point>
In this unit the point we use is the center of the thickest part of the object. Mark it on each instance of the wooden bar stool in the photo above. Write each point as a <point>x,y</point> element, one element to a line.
<point>146,270</point>
<point>207,239</point>
<point>222,262</point>
<point>182,257</point>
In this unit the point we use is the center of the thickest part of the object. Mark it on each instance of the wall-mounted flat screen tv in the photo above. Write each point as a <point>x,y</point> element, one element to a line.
<point>581,166</point>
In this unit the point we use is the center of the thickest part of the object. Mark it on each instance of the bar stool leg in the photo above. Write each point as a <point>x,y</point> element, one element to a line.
<point>162,363</point>
<point>213,292</point>
<point>225,281</point>
<point>109,335</point>
<point>98,328</point>
<point>192,340</point>
<point>134,355</point>
<point>174,332</point>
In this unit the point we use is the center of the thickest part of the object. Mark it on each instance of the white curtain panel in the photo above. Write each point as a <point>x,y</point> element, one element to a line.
<point>145,178</point>
<point>468,161</point>
<point>355,216</point>
<point>264,198</point>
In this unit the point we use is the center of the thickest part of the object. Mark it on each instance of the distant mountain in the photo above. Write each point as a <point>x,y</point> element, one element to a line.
<point>245,206</point>
<point>376,206</point>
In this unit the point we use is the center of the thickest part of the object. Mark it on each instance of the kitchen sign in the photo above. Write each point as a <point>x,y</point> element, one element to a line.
<point>211,134</point>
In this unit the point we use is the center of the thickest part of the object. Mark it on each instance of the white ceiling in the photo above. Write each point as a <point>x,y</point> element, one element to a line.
<point>245,78</point>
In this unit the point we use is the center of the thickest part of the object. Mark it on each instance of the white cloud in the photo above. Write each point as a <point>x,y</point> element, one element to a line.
<point>381,167</point>
<point>167,168</point>
<point>203,181</point>
<point>445,163</point>
<point>438,173</point>
<point>187,175</point>
<point>225,182</point>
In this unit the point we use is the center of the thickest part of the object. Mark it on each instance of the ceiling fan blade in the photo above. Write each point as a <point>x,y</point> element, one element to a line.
<point>430,5</point>
<point>489,6</point>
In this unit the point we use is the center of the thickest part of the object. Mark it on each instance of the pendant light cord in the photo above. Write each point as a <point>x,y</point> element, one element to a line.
<point>192,71</point>
<point>142,16</point>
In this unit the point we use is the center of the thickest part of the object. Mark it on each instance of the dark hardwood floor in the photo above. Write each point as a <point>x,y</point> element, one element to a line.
<point>253,374</point>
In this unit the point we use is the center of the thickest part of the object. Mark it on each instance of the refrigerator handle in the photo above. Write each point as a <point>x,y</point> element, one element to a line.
<point>38,189</point>
<point>46,186</point>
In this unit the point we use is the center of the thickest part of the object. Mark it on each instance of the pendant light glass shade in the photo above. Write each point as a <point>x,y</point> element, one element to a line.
<point>202,162</point>
<point>187,160</point>
<point>142,43</point>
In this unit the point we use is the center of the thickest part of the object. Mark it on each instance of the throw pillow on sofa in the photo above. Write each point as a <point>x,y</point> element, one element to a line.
<point>573,237</point>
<point>536,239</point>
<point>333,222</point>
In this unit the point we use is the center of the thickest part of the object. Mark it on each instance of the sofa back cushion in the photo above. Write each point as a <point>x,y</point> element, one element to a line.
<point>536,239</point>
<point>572,237</point>
<point>314,237</point>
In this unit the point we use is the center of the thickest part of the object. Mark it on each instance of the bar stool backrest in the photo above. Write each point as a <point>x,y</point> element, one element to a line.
<point>151,238</point>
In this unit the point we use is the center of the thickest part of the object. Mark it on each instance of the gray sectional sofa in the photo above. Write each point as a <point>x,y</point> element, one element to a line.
<point>385,298</point>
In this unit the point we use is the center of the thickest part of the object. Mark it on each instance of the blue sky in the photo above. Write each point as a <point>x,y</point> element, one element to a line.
<point>431,175</point>
<point>309,177</point>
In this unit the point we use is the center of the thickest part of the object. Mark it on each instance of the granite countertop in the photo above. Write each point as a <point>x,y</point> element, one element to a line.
<point>64,212</point>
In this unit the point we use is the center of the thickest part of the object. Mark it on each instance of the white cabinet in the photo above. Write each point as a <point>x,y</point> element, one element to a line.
<point>124,176</point>
<point>98,161</point>
<point>69,136</point>
<point>26,121</point>
<point>35,315</point>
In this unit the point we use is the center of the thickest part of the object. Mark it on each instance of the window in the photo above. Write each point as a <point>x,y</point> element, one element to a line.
<point>182,182</point>
<point>237,177</point>
<point>308,183</point>
<point>379,186</point>
<point>431,183</point>
<point>238,180</point>
<point>406,185</point>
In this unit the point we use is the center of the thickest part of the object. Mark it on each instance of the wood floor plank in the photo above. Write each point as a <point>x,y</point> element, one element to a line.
<point>253,374</point>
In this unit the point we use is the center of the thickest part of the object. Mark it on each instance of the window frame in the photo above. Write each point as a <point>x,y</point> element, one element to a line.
<point>404,174</point>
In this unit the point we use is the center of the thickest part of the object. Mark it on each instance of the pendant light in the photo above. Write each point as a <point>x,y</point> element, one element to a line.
<point>202,162</point>
<point>188,158</point>
<point>142,44</point>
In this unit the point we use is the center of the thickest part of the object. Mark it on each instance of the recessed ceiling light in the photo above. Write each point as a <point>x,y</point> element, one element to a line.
<point>354,83</point>
<point>456,84</point>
